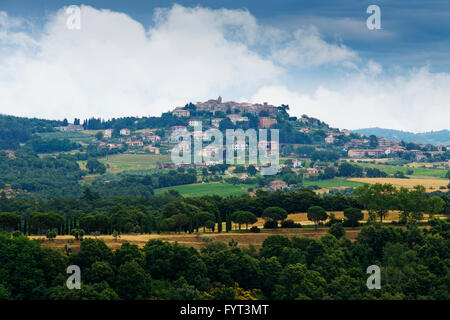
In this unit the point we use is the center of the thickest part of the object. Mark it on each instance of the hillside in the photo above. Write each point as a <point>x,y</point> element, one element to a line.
<point>441,137</point>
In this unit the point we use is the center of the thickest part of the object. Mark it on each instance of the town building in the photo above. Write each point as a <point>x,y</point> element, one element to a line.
<point>277,185</point>
<point>125,132</point>
<point>266,122</point>
<point>180,112</point>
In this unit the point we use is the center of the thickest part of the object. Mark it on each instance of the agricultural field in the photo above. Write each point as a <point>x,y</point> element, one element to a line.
<point>332,183</point>
<point>429,184</point>
<point>197,240</point>
<point>202,189</point>
<point>417,171</point>
<point>122,162</point>
<point>75,136</point>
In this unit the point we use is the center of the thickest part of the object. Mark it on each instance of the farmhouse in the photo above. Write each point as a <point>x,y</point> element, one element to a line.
<point>180,112</point>
<point>266,122</point>
<point>70,127</point>
<point>125,132</point>
<point>277,185</point>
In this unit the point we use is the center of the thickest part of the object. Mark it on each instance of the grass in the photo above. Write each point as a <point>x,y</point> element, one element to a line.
<point>417,171</point>
<point>202,189</point>
<point>121,162</point>
<point>332,183</point>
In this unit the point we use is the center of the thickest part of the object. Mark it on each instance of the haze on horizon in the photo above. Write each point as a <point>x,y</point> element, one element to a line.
<point>124,63</point>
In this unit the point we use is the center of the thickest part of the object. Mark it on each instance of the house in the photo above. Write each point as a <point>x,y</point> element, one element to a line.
<point>304,130</point>
<point>236,118</point>
<point>243,177</point>
<point>125,132</point>
<point>176,128</point>
<point>70,127</point>
<point>383,142</point>
<point>10,154</point>
<point>108,134</point>
<point>150,136</point>
<point>277,185</point>
<point>361,153</point>
<point>266,122</point>
<point>180,112</point>
<point>114,146</point>
<point>195,123</point>
<point>135,143</point>
<point>330,139</point>
<point>310,173</point>
<point>151,149</point>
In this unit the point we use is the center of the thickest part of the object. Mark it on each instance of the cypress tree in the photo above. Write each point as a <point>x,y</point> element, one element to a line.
<point>219,223</point>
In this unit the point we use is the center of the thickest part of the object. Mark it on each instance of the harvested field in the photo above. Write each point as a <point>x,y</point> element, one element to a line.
<point>429,184</point>
<point>244,239</point>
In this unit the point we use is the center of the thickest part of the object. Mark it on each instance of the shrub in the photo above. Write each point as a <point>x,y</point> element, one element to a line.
<point>255,229</point>
<point>337,230</point>
<point>270,224</point>
<point>290,224</point>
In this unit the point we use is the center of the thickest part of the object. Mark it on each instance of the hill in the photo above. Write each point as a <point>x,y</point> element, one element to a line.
<point>441,137</point>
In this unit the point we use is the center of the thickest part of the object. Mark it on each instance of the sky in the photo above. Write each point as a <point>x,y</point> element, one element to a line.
<point>141,58</point>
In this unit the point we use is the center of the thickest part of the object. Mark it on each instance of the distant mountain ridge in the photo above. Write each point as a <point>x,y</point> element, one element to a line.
<point>441,137</point>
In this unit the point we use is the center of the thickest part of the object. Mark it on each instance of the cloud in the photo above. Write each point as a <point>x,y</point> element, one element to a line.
<point>415,102</point>
<point>308,49</point>
<point>114,67</point>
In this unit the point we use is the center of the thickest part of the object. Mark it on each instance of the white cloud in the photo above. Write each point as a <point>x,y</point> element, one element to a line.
<point>416,102</point>
<point>114,67</point>
<point>308,49</point>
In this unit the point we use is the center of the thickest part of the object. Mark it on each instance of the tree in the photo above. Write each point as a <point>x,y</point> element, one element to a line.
<point>210,225</point>
<point>373,141</point>
<point>95,166</point>
<point>274,214</point>
<point>241,217</point>
<point>251,170</point>
<point>203,217</point>
<point>99,135</point>
<point>316,214</point>
<point>77,233</point>
<point>132,281</point>
<point>377,198</point>
<point>337,230</point>
<point>9,220</point>
<point>181,221</point>
<point>353,215</point>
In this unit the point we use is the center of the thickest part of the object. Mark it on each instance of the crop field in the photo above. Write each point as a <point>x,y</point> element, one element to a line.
<point>429,184</point>
<point>121,162</point>
<point>332,183</point>
<point>202,189</point>
<point>417,171</point>
<point>196,240</point>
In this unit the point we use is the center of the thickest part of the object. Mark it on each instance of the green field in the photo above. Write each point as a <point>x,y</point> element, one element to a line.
<point>121,162</point>
<point>202,189</point>
<point>418,172</point>
<point>76,136</point>
<point>332,183</point>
